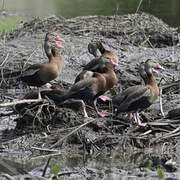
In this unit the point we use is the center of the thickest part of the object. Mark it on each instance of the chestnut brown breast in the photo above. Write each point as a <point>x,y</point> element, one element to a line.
<point>111,78</point>
<point>40,74</point>
<point>86,90</point>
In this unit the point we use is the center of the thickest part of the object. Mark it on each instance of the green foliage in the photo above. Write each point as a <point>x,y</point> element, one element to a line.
<point>54,171</point>
<point>160,173</point>
<point>149,165</point>
<point>144,42</point>
<point>3,33</point>
<point>112,92</point>
<point>7,24</point>
<point>41,41</point>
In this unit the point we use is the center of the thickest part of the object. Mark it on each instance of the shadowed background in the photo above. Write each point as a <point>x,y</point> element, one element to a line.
<point>169,11</point>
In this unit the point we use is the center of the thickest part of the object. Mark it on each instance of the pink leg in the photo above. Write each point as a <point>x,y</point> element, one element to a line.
<point>102,113</point>
<point>39,94</point>
<point>138,121</point>
<point>84,109</point>
<point>104,98</point>
<point>130,116</point>
<point>21,91</point>
<point>135,118</point>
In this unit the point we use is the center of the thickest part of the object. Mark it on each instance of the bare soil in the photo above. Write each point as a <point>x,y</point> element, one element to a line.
<point>134,38</point>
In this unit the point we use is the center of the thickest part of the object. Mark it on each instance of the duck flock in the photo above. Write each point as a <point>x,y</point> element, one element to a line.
<point>97,77</point>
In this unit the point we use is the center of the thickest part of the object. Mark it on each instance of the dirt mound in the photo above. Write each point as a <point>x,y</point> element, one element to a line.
<point>134,29</point>
<point>62,128</point>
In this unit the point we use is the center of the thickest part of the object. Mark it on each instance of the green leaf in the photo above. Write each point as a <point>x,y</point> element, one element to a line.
<point>112,92</point>
<point>144,42</point>
<point>149,165</point>
<point>3,33</point>
<point>55,170</point>
<point>160,173</point>
<point>51,177</point>
<point>41,41</point>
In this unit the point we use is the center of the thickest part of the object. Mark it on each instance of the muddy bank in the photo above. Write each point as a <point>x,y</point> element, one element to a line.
<point>134,38</point>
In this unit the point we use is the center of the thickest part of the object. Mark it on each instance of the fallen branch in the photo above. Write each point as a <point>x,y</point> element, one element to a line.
<point>7,176</point>
<point>21,102</point>
<point>46,166</point>
<point>72,132</point>
<point>176,83</point>
<point>44,149</point>
<point>6,113</point>
<point>173,133</point>
<point>46,156</point>
<point>1,65</point>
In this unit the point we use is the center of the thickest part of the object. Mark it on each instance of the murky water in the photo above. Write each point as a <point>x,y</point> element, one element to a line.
<point>169,11</point>
<point>113,166</point>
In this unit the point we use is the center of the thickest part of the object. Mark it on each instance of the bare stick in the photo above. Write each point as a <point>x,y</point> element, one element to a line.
<point>21,102</point>
<point>4,60</point>
<point>44,149</point>
<point>48,155</point>
<point>7,176</point>
<point>6,113</point>
<point>160,102</point>
<point>139,5</point>
<point>46,166</point>
<point>72,132</point>
<point>34,50</point>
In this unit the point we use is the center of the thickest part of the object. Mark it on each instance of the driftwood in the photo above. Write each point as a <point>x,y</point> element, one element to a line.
<point>21,102</point>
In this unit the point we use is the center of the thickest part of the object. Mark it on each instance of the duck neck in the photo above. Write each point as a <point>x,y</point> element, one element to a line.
<point>57,57</point>
<point>151,80</point>
<point>111,78</point>
<point>153,83</point>
<point>47,50</point>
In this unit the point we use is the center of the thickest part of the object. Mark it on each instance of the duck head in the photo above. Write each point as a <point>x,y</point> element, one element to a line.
<point>100,46</point>
<point>49,44</point>
<point>108,62</point>
<point>53,36</point>
<point>151,65</point>
<point>92,49</point>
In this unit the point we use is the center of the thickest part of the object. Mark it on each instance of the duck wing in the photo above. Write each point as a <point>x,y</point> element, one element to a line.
<point>133,99</point>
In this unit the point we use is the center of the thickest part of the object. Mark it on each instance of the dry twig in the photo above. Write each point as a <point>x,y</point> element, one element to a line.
<point>72,132</point>
<point>21,102</point>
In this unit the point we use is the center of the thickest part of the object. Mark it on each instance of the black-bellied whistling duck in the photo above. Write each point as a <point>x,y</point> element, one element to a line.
<point>51,37</point>
<point>111,80</point>
<point>85,91</point>
<point>140,97</point>
<point>97,65</point>
<point>91,87</point>
<point>93,47</point>
<point>107,53</point>
<point>40,74</point>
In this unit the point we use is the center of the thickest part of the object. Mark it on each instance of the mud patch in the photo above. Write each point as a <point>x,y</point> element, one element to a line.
<point>45,128</point>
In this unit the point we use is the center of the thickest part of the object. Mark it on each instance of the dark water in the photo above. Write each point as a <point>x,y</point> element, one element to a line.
<point>168,10</point>
<point>81,167</point>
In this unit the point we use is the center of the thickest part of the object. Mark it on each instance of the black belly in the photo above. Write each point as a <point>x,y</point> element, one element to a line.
<point>32,80</point>
<point>135,106</point>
